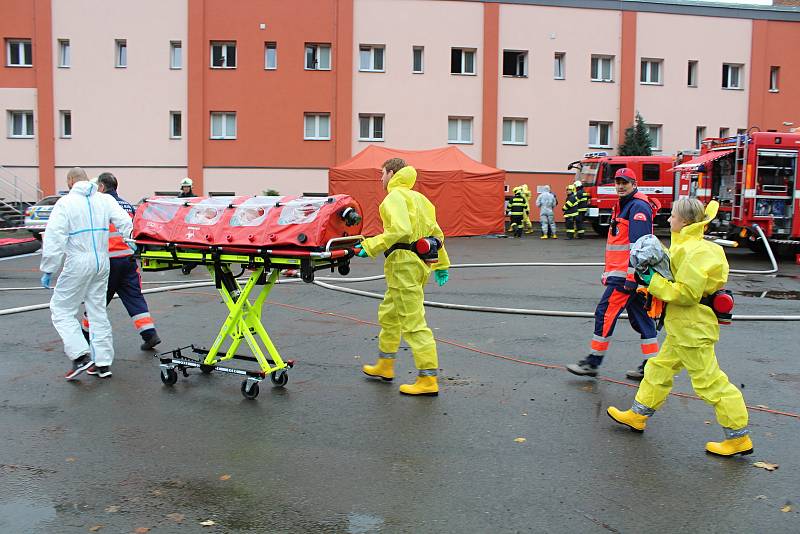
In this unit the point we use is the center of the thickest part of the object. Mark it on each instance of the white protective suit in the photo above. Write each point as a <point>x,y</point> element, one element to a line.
<point>77,236</point>
<point>546,201</point>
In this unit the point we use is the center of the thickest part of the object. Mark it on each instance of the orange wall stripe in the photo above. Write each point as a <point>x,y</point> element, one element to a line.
<point>627,74</point>
<point>343,94</point>
<point>491,46</point>
<point>195,88</point>
<point>43,65</point>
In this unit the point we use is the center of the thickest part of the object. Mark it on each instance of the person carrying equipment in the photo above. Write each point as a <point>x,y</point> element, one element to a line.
<point>526,217</point>
<point>700,269</point>
<point>77,236</point>
<point>546,201</point>
<point>570,209</point>
<point>583,207</point>
<point>408,218</point>
<point>517,207</point>
<point>186,188</point>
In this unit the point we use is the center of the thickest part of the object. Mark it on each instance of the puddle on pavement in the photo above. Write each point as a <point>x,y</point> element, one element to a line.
<point>779,295</point>
<point>20,515</point>
<point>363,523</point>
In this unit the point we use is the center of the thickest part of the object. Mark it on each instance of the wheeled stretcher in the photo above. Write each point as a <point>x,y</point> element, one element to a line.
<point>263,235</point>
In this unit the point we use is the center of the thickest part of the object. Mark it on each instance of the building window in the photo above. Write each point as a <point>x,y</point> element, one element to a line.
<point>515,63</point>
<point>602,68</point>
<point>417,61</point>
<point>699,135</point>
<point>731,76</point>
<point>175,55</point>
<point>741,131</point>
<point>724,132</point>
<point>19,53</point>
<point>560,66</point>
<point>120,53</point>
<point>651,71</point>
<point>317,126</point>
<point>370,58</point>
<point>65,123</point>
<point>654,132</point>
<point>462,61</point>
<point>176,128</point>
<point>370,127</point>
<point>514,131</point>
<point>270,56</point>
<point>691,76</point>
<point>774,72</point>
<point>318,56</point>
<point>20,124</point>
<point>223,125</point>
<point>459,130</point>
<point>63,53</point>
<point>599,134</point>
<point>223,54</point>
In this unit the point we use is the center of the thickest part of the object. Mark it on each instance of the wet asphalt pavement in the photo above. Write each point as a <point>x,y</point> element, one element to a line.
<point>334,451</point>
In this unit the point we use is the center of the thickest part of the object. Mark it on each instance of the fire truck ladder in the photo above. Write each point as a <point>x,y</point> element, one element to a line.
<point>740,177</point>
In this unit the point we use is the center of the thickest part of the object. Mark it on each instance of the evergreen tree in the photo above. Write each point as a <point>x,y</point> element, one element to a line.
<point>637,139</point>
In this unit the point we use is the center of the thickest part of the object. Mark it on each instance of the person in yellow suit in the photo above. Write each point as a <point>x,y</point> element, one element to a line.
<point>407,217</point>
<point>700,269</point>
<point>527,225</point>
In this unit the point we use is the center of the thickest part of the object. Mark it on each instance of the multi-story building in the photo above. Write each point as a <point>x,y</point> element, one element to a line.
<point>268,94</point>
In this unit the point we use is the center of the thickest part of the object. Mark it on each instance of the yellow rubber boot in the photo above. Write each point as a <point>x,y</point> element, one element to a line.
<point>383,368</point>
<point>730,447</point>
<point>629,418</point>
<point>544,236</point>
<point>555,236</point>
<point>425,385</point>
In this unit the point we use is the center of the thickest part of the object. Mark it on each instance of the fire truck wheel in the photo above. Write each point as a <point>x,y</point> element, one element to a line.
<point>169,377</point>
<point>279,378</point>
<point>252,394</point>
<point>206,369</point>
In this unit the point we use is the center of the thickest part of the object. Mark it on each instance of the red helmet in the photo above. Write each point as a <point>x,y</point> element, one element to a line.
<point>625,174</point>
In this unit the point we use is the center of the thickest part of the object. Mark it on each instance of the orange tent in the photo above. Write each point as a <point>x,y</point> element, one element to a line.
<point>468,195</point>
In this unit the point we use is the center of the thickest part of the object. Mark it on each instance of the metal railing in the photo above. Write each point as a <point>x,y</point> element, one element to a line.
<point>17,189</point>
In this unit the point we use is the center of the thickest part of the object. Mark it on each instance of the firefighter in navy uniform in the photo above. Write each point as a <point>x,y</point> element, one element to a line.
<point>570,209</point>
<point>517,207</point>
<point>583,207</point>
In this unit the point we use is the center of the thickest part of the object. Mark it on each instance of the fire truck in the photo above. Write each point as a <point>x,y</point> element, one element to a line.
<point>596,170</point>
<point>754,178</point>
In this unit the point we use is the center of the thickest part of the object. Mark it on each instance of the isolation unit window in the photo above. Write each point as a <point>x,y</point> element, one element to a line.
<point>270,56</point>
<point>66,123</point>
<point>560,66</point>
<point>370,127</point>
<point>459,130</point>
<point>773,79</point>
<point>515,63</point>
<point>317,126</point>
<point>223,54</point>
<point>691,75</point>
<point>176,126</point>
<point>318,56</point>
<point>223,125</point>
<point>699,135</point>
<point>120,53</point>
<point>599,134</point>
<point>20,124</point>
<point>175,55</point>
<point>370,58</point>
<point>651,71</point>
<point>63,53</point>
<point>514,131</point>
<point>462,61</point>
<point>731,76</point>
<point>602,68</point>
<point>19,53</point>
<point>724,132</point>
<point>417,60</point>
<point>654,132</point>
<point>651,172</point>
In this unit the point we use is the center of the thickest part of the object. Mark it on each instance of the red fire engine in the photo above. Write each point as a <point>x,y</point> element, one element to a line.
<point>754,178</point>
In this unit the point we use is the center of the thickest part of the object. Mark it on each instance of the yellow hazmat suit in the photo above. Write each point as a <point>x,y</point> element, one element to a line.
<point>699,268</point>
<point>407,217</point>
<point>526,217</point>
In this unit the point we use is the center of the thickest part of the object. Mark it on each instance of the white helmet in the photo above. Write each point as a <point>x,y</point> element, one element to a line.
<point>578,183</point>
<point>186,182</point>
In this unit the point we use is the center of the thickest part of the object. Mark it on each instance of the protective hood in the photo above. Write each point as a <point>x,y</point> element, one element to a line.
<point>84,188</point>
<point>696,230</point>
<point>405,178</point>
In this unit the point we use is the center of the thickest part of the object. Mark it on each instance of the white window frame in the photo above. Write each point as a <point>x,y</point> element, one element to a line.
<point>175,55</point>
<point>371,118</point>
<point>421,50</point>
<point>693,67</point>
<point>64,60</point>
<point>520,53</point>
<point>464,52</point>
<point>270,45</point>
<point>228,119</point>
<point>25,134</point>
<point>121,53</point>
<point>596,142</point>
<point>560,66</point>
<point>699,135</point>
<point>317,135</point>
<point>646,66</point>
<point>370,53</point>
<point>515,124</point>
<point>656,141</point>
<point>460,122</point>
<point>317,50</point>
<point>739,76</point>
<point>64,116</point>
<point>774,78</point>
<point>601,59</point>
<point>172,134</point>
<point>20,45</point>
<point>223,46</point>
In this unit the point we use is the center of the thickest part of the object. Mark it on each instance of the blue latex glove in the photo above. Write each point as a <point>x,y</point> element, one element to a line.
<point>46,280</point>
<point>131,245</point>
<point>360,252</point>
<point>442,276</point>
<point>646,277</point>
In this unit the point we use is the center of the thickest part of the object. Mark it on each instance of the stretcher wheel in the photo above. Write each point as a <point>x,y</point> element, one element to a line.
<point>279,378</point>
<point>169,376</point>
<point>252,394</point>
<point>206,369</point>
<point>344,269</point>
